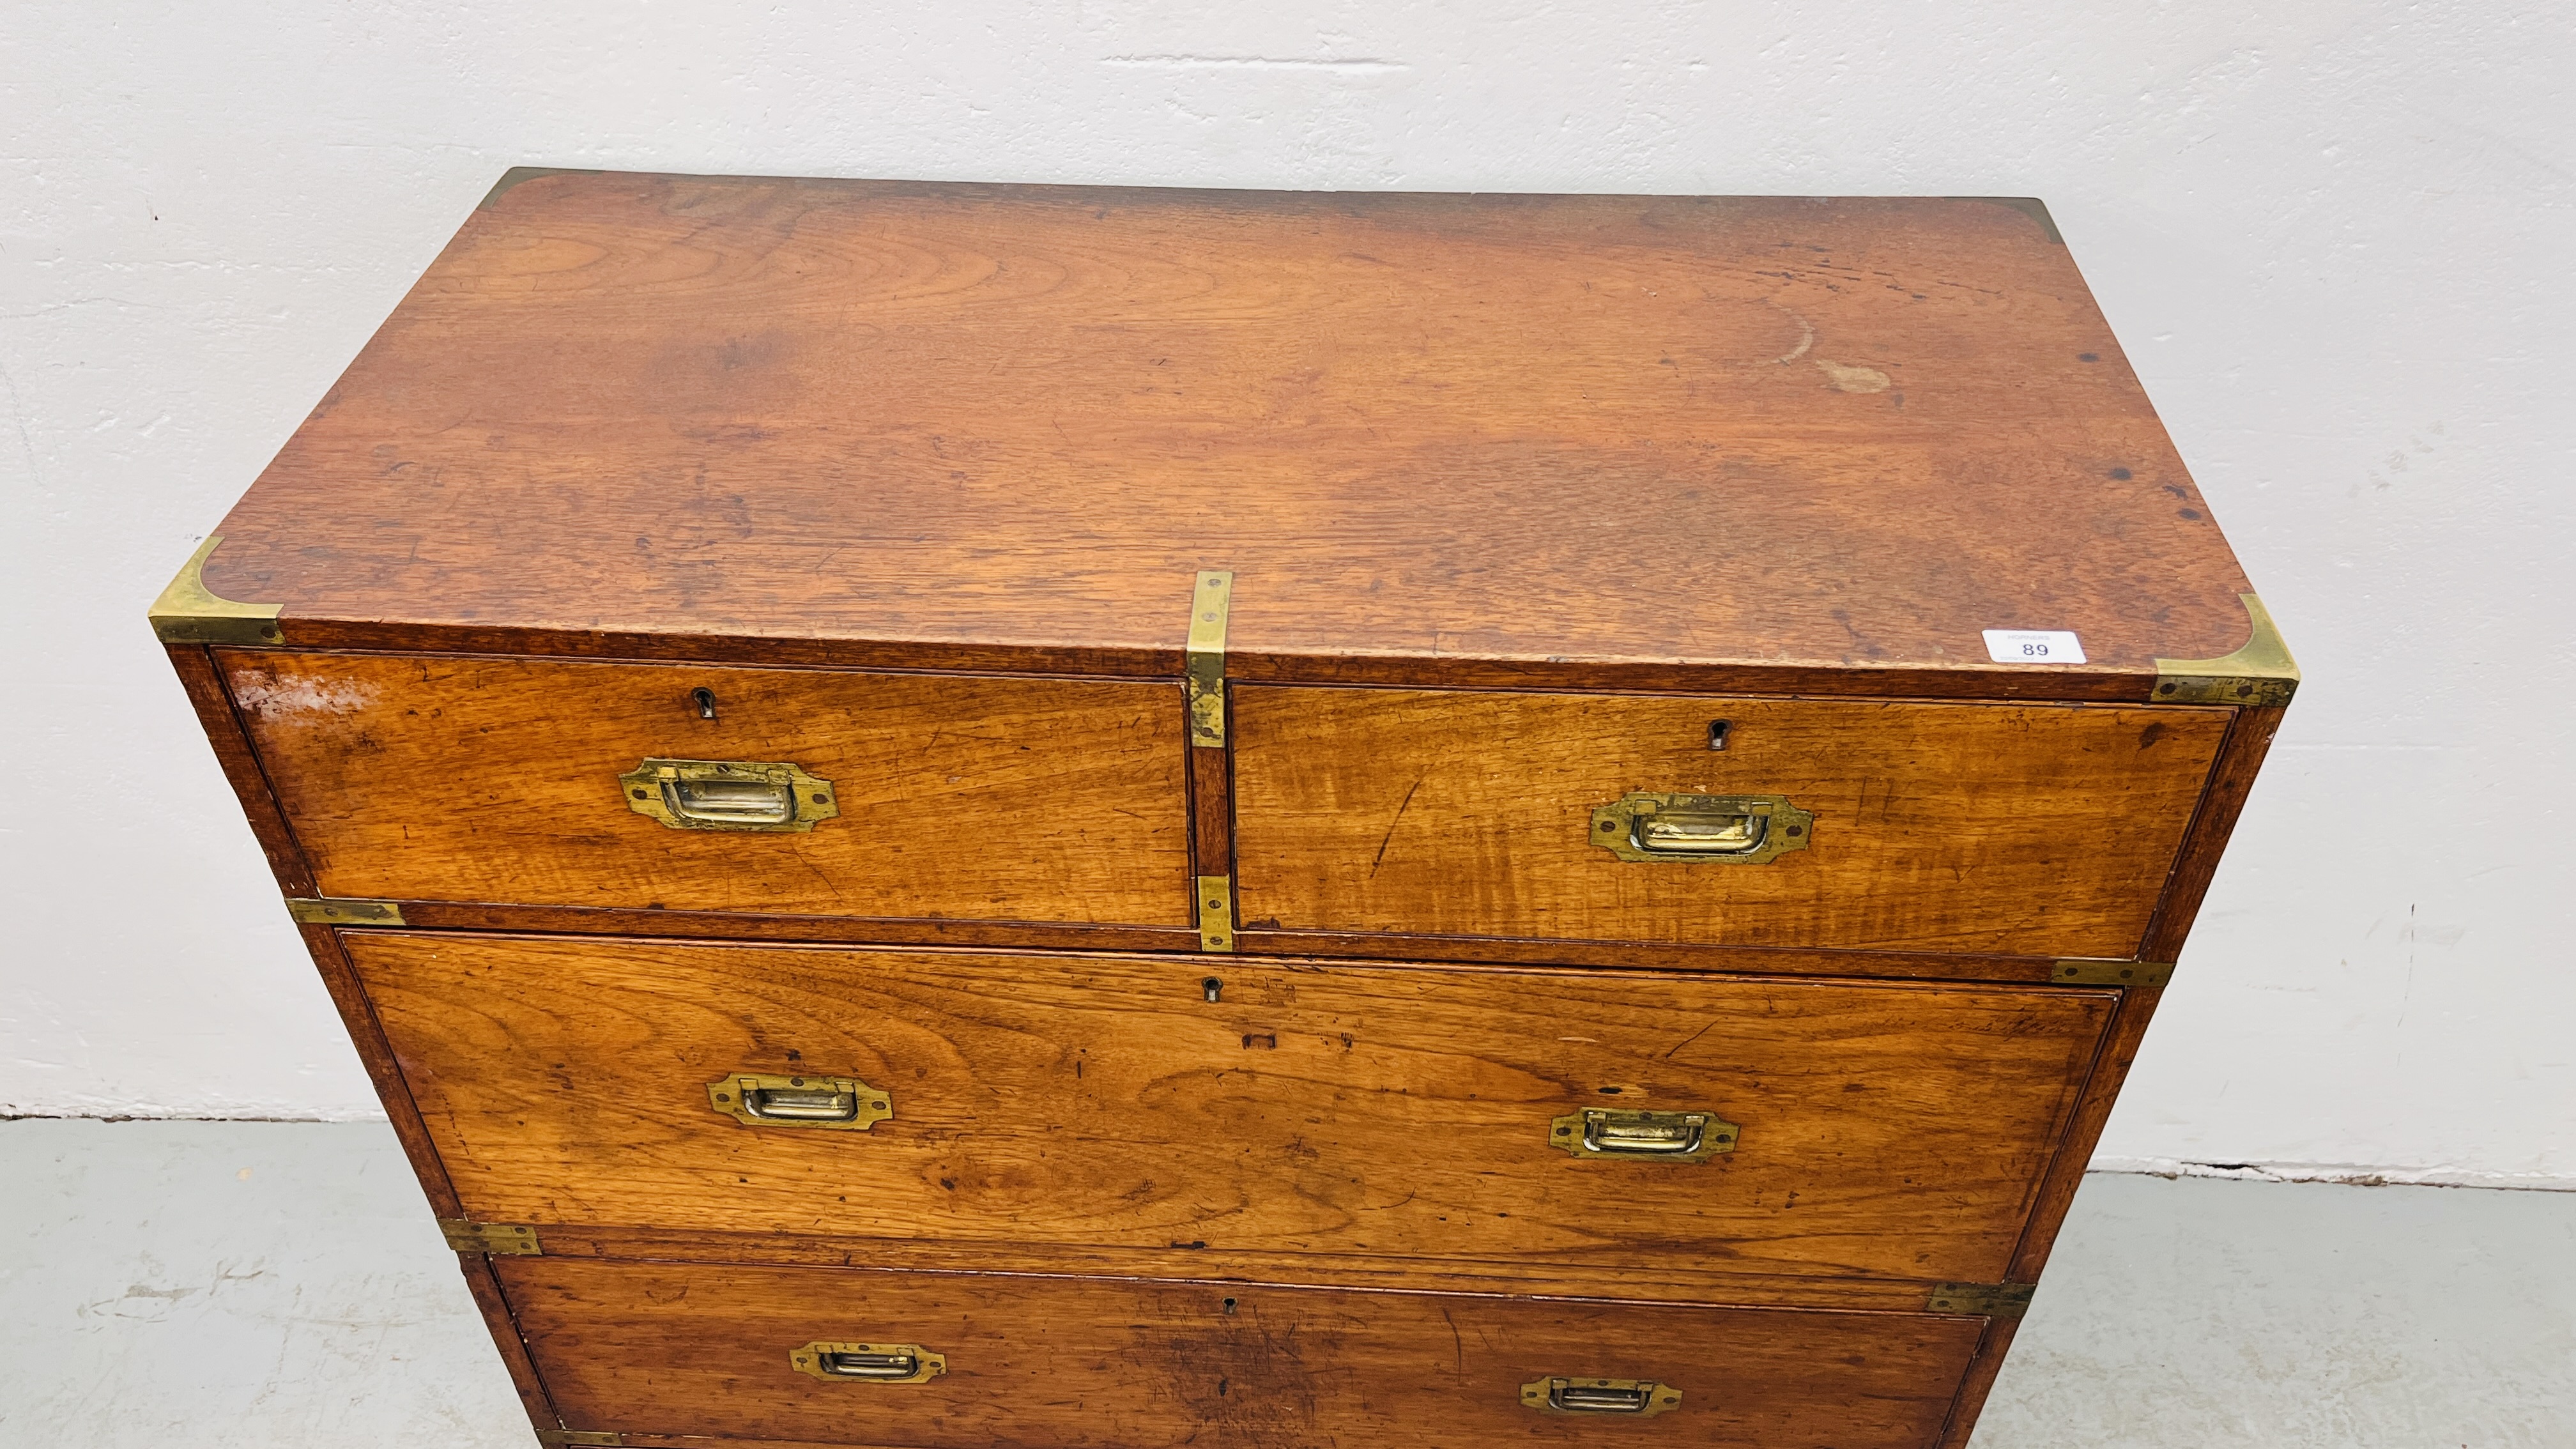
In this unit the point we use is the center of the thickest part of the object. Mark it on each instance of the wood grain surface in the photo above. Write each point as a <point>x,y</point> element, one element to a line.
<point>2249,739</point>
<point>485,1287</point>
<point>1037,1363</point>
<point>471,779</point>
<point>1888,1130</point>
<point>1978,1382</point>
<point>1438,438</point>
<point>384,1073</point>
<point>1670,1280</point>
<point>2015,829</point>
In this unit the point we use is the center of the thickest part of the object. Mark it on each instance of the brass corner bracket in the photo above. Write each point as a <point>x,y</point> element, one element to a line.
<point>340,911</point>
<point>1206,657</point>
<point>1985,1300</point>
<point>2089,972</point>
<point>186,613</point>
<point>464,1235</point>
<point>2261,672</point>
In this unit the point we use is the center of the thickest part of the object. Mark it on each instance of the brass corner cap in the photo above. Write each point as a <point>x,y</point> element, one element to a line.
<point>2260,672</point>
<point>2029,206</point>
<point>186,613</point>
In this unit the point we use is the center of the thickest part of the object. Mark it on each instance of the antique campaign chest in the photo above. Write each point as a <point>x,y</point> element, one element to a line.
<point>986,815</point>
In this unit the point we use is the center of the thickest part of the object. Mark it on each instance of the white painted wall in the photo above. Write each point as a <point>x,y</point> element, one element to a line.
<point>2335,238</point>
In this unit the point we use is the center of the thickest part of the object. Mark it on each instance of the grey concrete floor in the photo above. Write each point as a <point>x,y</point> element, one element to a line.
<point>219,1284</point>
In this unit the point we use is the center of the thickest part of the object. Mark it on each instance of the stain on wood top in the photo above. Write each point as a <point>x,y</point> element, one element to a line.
<point>1603,441</point>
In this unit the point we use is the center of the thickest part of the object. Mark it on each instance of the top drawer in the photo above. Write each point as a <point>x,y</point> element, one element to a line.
<point>436,778</point>
<point>2039,830</point>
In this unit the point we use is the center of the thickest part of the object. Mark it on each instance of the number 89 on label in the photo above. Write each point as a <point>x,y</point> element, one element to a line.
<point>2033,646</point>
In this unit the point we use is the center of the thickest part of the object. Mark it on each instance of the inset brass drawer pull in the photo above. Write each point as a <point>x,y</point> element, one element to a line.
<point>1664,1136</point>
<point>867,1363</point>
<point>1640,1397</point>
<point>1717,829</point>
<point>728,794</point>
<point>845,1103</point>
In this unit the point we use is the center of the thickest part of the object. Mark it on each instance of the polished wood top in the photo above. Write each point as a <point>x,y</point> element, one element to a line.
<point>1590,441</point>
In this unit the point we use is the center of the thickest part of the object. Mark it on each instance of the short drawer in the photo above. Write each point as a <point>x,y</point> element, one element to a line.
<point>2038,830</point>
<point>533,782</point>
<point>1848,1129</point>
<point>642,1349</point>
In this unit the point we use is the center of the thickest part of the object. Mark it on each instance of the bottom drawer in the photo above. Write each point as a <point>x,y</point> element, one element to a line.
<point>652,1349</point>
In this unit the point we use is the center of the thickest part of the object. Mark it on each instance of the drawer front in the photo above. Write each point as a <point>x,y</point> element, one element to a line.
<point>440,779</point>
<point>1064,1363</point>
<point>2038,830</point>
<point>1886,1130</point>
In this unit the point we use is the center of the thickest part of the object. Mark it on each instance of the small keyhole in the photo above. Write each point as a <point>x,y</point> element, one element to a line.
<point>1717,729</point>
<point>1211,988</point>
<point>705,699</point>
<point>1229,1305</point>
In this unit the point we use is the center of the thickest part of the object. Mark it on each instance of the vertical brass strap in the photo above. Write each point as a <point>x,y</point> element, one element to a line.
<point>1216,913</point>
<point>1206,662</point>
<point>1206,658</point>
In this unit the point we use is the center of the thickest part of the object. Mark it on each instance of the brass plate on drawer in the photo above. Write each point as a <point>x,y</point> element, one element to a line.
<point>1683,829</point>
<point>342,911</point>
<point>841,1104</point>
<point>770,795</point>
<point>2089,972</point>
<point>1216,912</point>
<point>867,1363</point>
<point>464,1235</point>
<point>1607,1398</point>
<point>1992,1300</point>
<point>1640,1136</point>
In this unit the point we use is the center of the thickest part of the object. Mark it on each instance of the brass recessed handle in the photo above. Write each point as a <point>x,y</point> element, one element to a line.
<point>1661,1136</point>
<point>1638,1398</point>
<point>1648,825</point>
<point>728,794</point>
<point>761,1100</point>
<point>867,1363</point>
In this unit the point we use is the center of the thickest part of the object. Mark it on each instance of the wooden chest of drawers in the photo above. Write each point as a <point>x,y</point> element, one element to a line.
<point>967,815</point>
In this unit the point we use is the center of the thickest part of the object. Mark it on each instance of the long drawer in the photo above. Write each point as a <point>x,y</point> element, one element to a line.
<point>931,1361</point>
<point>2038,830</point>
<point>1604,1120</point>
<point>689,787</point>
